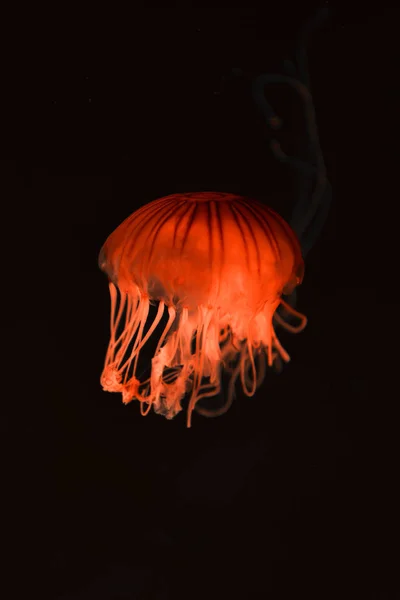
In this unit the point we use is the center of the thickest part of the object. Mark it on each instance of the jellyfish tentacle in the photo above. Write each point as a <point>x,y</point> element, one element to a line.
<point>308,217</point>
<point>311,24</point>
<point>302,215</point>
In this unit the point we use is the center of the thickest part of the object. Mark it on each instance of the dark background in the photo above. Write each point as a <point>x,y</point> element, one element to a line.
<point>285,494</point>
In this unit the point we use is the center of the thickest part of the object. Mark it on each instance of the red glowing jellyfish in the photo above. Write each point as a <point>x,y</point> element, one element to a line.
<point>216,266</point>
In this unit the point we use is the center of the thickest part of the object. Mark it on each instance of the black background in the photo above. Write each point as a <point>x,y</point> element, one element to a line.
<point>284,495</point>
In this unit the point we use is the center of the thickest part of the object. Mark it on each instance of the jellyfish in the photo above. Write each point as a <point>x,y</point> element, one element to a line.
<point>215,266</point>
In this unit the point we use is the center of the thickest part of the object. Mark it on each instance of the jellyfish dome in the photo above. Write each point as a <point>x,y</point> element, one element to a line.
<point>215,265</point>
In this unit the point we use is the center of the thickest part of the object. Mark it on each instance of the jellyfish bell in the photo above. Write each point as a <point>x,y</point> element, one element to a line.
<point>216,265</point>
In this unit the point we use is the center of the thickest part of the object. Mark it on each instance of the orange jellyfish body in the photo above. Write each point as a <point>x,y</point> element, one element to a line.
<point>217,264</point>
